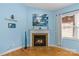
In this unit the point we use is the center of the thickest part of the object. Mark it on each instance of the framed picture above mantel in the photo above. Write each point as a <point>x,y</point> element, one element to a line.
<point>40,21</point>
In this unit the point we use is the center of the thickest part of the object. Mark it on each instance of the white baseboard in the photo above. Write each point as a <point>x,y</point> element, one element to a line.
<point>68,49</point>
<point>11,50</point>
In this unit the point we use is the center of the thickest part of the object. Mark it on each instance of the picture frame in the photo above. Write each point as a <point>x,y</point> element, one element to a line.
<point>40,20</point>
<point>11,25</point>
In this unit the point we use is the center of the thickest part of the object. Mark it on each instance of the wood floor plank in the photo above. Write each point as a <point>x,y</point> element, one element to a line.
<point>42,51</point>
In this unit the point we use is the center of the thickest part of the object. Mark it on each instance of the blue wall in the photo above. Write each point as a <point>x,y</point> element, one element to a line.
<point>13,38</point>
<point>68,43</point>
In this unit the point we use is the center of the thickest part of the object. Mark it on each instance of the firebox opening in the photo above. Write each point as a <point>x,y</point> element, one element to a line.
<point>39,39</point>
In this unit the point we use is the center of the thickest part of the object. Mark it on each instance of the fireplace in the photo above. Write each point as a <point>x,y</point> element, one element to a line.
<point>39,39</point>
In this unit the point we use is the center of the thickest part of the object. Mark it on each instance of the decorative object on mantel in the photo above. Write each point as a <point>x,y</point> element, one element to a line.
<point>12,18</point>
<point>40,21</point>
<point>11,25</point>
<point>39,28</point>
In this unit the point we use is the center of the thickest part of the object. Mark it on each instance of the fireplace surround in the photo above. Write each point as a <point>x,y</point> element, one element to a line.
<point>39,38</point>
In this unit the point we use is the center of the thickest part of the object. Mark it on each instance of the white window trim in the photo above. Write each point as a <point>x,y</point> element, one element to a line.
<point>67,14</point>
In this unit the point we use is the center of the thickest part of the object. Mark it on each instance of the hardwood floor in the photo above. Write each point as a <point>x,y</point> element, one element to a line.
<point>42,51</point>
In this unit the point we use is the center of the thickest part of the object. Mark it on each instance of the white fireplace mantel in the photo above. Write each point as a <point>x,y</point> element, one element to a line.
<point>39,31</point>
<point>42,31</point>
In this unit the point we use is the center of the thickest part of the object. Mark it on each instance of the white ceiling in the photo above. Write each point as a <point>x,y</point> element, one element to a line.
<point>49,6</point>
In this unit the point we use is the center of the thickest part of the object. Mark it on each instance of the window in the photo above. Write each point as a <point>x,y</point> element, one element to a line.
<point>70,26</point>
<point>77,25</point>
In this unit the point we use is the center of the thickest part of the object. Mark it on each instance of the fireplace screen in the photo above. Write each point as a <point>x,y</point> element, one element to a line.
<point>39,40</point>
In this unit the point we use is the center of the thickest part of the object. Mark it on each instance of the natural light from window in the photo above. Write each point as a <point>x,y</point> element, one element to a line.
<point>70,26</point>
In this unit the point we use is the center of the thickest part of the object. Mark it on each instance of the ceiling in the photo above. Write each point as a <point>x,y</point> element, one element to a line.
<point>49,6</point>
